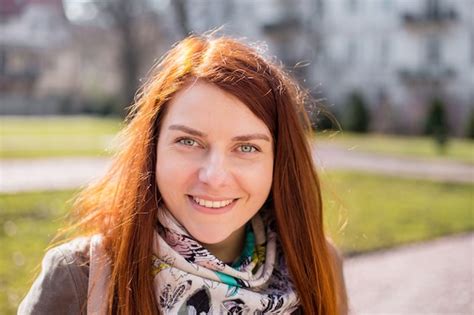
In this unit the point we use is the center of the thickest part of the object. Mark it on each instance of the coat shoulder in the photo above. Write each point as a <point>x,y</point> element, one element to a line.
<point>61,286</point>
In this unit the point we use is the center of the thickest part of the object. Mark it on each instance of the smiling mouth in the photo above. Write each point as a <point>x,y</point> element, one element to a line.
<point>212,204</point>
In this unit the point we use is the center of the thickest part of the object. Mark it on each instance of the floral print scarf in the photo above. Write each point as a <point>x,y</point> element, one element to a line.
<point>190,280</point>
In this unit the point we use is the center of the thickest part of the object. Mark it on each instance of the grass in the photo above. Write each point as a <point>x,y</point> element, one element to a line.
<point>28,222</point>
<point>421,147</point>
<point>363,213</point>
<point>370,212</point>
<point>34,137</point>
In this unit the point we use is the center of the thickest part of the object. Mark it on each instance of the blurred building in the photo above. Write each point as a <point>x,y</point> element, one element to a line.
<point>29,31</point>
<point>290,29</point>
<point>399,54</point>
<point>49,65</point>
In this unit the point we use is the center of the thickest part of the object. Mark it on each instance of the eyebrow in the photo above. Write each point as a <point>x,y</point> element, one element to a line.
<point>194,132</point>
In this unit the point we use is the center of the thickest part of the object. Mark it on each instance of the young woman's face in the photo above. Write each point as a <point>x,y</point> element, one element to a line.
<point>214,162</point>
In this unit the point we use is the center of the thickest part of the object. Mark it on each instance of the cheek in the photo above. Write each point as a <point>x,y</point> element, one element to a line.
<point>258,181</point>
<point>172,174</point>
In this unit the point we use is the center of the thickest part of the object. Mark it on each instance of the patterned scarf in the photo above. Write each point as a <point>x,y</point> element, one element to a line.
<point>190,280</point>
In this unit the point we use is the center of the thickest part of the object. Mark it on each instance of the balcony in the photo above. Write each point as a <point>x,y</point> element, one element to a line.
<point>434,15</point>
<point>427,74</point>
<point>282,24</point>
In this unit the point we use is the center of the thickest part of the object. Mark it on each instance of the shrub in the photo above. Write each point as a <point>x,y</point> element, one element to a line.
<point>103,106</point>
<point>470,124</point>
<point>356,116</point>
<point>436,123</point>
<point>323,119</point>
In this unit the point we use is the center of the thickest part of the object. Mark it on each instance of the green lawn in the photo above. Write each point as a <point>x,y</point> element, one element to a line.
<point>369,212</point>
<point>28,222</point>
<point>31,137</point>
<point>422,147</point>
<point>363,213</point>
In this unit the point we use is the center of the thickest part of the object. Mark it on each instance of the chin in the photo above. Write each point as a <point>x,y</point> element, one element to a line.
<point>213,237</point>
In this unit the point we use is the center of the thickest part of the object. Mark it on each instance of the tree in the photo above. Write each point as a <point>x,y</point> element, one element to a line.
<point>181,12</point>
<point>356,116</point>
<point>436,123</point>
<point>470,124</point>
<point>130,20</point>
<point>122,13</point>
<point>126,19</point>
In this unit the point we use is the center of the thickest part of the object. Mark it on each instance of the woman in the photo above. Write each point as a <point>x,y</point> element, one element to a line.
<point>212,206</point>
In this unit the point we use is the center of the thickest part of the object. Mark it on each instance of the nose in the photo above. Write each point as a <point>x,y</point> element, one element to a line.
<point>214,171</point>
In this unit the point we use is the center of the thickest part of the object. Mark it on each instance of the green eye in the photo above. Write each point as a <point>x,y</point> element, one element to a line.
<point>246,148</point>
<point>187,142</point>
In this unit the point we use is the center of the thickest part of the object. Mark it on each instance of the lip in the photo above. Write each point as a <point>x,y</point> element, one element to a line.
<point>206,210</point>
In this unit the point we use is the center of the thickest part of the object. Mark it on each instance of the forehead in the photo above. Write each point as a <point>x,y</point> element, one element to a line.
<point>210,109</point>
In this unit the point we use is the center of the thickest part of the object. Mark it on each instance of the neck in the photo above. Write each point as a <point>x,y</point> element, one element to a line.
<point>229,249</point>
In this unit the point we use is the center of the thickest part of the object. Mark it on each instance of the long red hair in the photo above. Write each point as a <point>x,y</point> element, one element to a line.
<point>122,205</point>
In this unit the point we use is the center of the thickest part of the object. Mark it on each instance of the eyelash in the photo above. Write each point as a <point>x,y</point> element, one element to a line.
<point>254,148</point>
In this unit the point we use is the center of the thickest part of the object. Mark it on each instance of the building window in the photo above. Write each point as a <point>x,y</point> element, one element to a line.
<point>352,6</point>
<point>433,50</point>
<point>432,7</point>
<point>3,61</point>
<point>384,51</point>
<point>387,4</point>
<point>351,51</point>
<point>472,48</point>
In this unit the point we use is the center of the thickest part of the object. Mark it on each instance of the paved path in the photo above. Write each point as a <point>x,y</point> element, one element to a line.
<point>49,174</point>
<point>60,173</point>
<point>331,157</point>
<point>436,277</point>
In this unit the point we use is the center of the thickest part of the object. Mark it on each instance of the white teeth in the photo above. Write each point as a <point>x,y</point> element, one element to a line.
<point>212,204</point>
